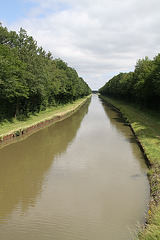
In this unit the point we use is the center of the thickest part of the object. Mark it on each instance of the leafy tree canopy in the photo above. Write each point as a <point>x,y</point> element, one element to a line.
<point>30,79</point>
<point>141,86</point>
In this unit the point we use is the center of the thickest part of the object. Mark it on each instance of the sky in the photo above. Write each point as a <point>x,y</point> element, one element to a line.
<point>99,38</point>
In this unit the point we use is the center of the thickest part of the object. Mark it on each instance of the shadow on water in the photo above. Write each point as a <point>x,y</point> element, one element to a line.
<point>23,165</point>
<point>120,126</point>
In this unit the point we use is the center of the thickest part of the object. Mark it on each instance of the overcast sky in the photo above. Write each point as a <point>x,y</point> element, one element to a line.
<point>99,38</point>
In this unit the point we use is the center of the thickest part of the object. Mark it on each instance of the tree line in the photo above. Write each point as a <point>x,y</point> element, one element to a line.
<point>142,86</point>
<point>30,79</point>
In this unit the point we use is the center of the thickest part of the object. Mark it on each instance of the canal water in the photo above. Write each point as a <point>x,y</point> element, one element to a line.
<point>83,178</point>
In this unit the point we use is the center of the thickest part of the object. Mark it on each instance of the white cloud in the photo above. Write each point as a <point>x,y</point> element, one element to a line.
<point>96,37</point>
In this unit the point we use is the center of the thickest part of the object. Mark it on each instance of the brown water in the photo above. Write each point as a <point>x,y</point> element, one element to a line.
<point>83,178</point>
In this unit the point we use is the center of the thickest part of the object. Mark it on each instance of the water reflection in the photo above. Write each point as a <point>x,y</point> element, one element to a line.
<point>96,187</point>
<point>120,126</point>
<point>23,165</point>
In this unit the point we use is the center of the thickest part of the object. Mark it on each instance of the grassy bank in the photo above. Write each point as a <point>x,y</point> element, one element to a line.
<point>146,126</point>
<point>15,126</point>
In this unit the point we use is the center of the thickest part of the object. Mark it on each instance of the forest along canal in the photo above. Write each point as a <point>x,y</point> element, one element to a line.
<point>83,178</point>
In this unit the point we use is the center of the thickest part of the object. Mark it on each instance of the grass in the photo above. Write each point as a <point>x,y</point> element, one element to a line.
<point>7,127</point>
<point>152,232</point>
<point>146,126</point>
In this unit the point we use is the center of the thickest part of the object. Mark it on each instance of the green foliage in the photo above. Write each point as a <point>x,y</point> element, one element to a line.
<point>141,86</point>
<point>30,80</point>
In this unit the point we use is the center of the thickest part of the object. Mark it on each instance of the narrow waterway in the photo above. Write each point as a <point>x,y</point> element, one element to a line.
<point>83,178</point>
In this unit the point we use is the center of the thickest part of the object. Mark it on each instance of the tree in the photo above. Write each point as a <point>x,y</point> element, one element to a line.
<point>30,79</point>
<point>141,86</point>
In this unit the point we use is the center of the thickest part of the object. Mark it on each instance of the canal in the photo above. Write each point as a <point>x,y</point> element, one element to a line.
<point>83,178</point>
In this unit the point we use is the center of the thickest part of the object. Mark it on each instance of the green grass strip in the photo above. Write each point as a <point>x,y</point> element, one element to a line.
<point>14,126</point>
<point>146,126</point>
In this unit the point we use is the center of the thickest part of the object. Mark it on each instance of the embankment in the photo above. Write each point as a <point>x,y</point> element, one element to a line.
<point>23,129</point>
<point>145,126</point>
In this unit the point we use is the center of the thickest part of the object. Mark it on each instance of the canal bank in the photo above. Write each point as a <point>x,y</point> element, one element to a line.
<point>9,131</point>
<point>146,127</point>
<point>81,178</point>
